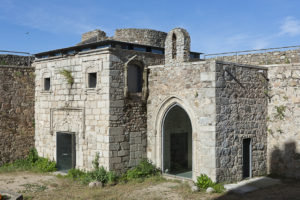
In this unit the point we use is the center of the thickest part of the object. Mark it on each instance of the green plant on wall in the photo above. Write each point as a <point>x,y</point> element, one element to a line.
<point>270,131</point>
<point>18,73</point>
<point>95,162</point>
<point>285,98</point>
<point>2,62</point>
<point>279,131</point>
<point>287,61</point>
<point>67,74</point>
<point>32,75</point>
<point>280,112</point>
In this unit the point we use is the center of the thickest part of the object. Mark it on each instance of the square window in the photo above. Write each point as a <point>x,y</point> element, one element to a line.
<point>46,84</point>
<point>92,80</point>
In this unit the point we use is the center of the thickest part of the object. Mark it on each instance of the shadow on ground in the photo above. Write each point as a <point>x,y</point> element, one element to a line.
<point>284,165</point>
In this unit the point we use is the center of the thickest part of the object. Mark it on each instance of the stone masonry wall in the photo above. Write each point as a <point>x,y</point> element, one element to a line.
<point>128,115</point>
<point>16,112</point>
<point>241,106</point>
<point>192,86</point>
<point>78,109</point>
<point>269,58</point>
<point>141,36</point>
<point>283,120</point>
<point>6,59</point>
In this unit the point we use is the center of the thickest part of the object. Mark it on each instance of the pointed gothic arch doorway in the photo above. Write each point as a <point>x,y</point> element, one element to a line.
<point>177,142</point>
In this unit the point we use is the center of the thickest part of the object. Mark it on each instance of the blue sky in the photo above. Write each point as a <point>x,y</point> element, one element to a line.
<point>214,25</point>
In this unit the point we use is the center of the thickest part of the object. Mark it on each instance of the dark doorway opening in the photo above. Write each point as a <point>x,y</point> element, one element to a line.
<point>177,143</point>
<point>179,152</point>
<point>65,151</point>
<point>247,158</point>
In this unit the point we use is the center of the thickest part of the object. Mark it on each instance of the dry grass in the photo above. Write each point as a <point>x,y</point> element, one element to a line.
<point>155,188</point>
<point>45,186</point>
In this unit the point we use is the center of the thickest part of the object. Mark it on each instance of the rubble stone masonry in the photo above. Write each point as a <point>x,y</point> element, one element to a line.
<point>284,120</point>
<point>16,111</point>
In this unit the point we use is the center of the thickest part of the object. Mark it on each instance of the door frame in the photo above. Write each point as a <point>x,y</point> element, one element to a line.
<point>163,134</point>
<point>73,146</point>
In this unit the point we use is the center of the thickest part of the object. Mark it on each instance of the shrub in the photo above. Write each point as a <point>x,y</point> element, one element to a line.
<point>75,174</point>
<point>99,174</point>
<point>95,162</point>
<point>204,182</point>
<point>32,163</point>
<point>218,187</point>
<point>45,165</point>
<point>33,155</point>
<point>111,177</point>
<point>144,169</point>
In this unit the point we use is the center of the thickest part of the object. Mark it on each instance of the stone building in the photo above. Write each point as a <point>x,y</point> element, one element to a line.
<point>144,94</point>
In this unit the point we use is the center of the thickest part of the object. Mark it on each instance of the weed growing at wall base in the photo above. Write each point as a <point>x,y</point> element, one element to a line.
<point>204,182</point>
<point>144,169</point>
<point>32,163</point>
<point>100,174</point>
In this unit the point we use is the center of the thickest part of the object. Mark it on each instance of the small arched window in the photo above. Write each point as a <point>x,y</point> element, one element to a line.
<point>174,49</point>
<point>134,78</point>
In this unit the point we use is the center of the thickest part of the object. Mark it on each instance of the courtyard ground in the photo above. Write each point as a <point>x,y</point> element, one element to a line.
<point>47,186</point>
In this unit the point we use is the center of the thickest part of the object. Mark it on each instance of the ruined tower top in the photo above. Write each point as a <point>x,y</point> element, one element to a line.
<point>177,46</point>
<point>141,36</point>
<point>132,35</point>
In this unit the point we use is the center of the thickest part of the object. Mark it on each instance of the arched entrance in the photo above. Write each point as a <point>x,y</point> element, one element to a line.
<point>177,142</point>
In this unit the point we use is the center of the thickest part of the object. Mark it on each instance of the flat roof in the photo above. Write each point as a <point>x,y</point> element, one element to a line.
<point>106,43</point>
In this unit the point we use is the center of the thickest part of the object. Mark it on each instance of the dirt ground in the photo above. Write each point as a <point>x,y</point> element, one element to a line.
<point>47,186</point>
<point>24,182</point>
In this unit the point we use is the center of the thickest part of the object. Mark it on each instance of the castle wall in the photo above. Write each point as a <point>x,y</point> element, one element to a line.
<point>14,60</point>
<point>74,108</point>
<point>16,110</point>
<point>283,120</point>
<point>241,106</point>
<point>268,58</point>
<point>192,86</point>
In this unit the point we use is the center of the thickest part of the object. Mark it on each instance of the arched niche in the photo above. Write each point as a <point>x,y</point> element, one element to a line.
<point>135,79</point>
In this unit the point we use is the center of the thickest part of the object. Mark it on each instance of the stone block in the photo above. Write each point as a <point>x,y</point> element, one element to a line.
<point>115,131</point>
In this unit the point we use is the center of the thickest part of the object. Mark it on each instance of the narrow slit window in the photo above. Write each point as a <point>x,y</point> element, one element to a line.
<point>174,46</point>
<point>46,84</point>
<point>92,80</point>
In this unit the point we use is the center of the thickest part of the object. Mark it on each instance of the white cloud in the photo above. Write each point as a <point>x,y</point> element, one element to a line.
<point>290,26</point>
